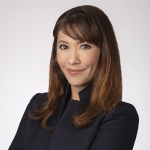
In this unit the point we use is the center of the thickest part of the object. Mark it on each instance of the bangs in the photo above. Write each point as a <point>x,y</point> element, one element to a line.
<point>81,29</point>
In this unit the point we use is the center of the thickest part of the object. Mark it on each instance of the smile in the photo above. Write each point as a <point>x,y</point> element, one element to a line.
<point>74,71</point>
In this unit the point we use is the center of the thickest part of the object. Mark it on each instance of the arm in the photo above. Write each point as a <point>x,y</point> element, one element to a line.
<point>17,143</point>
<point>118,130</point>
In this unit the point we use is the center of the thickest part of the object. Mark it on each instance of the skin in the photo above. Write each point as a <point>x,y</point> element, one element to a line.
<point>72,54</point>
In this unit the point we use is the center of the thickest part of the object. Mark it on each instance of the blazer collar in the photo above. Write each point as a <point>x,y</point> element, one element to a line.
<point>84,94</point>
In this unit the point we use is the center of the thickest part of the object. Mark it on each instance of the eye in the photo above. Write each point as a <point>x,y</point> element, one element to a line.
<point>62,47</point>
<point>85,46</point>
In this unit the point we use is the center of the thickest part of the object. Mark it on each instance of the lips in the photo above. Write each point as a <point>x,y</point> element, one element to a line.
<point>74,71</point>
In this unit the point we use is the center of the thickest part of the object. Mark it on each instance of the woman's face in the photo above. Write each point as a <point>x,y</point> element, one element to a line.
<point>78,61</point>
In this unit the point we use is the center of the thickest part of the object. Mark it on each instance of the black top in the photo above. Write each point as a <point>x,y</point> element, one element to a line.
<point>116,131</point>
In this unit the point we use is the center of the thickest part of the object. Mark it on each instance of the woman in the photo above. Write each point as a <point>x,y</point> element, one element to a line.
<point>83,108</point>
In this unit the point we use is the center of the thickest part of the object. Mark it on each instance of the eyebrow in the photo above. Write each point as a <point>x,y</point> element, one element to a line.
<point>63,42</point>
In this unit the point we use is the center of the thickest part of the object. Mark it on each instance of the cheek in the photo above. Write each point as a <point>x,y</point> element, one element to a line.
<point>60,60</point>
<point>92,59</point>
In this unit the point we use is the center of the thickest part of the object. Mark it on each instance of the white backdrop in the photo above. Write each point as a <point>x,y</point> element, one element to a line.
<point>25,48</point>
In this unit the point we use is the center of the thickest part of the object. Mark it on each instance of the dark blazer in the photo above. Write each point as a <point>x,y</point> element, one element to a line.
<point>116,131</point>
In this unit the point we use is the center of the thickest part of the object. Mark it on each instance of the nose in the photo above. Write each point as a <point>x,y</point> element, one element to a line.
<point>73,58</point>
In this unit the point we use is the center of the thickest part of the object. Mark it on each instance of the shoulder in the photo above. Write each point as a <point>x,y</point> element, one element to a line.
<point>123,116</point>
<point>118,128</point>
<point>38,99</point>
<point>127,108</point>
<point>124,109</point>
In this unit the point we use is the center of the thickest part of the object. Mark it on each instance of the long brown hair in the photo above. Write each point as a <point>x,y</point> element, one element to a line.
<point>85,23</point>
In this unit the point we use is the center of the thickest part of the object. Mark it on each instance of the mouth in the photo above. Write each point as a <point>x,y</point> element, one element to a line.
<point>74,71</point>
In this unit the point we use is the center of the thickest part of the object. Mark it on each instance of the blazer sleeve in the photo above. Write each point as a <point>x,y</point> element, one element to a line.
<point>118,130</point>
<point>17,143</point>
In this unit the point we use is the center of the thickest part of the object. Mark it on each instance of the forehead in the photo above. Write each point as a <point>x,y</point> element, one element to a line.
<point>80,33</point>
<point>62,37</point>
<point>75,31</point>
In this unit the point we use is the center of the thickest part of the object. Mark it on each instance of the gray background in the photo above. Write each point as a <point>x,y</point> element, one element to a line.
<point>25,48</point>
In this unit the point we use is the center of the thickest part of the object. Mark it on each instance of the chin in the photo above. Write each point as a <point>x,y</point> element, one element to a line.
<point>75,84</point>
<point>78,84</point>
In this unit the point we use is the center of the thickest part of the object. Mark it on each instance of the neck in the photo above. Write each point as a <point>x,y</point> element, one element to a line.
<point>75,90</point>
